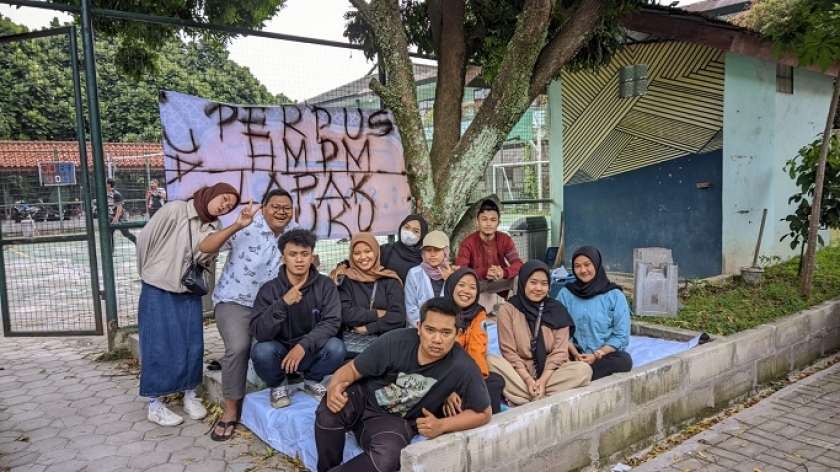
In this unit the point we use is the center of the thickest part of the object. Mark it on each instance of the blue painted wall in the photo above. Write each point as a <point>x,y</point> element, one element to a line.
<point>656,206</point>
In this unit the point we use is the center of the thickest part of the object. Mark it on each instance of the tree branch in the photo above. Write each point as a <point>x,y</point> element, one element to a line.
<point>452,64</point>
<point>435,8</point>
<point>502,108</point>
<point>389,99</point>
<point>577,30</point>
<point>400,93</point>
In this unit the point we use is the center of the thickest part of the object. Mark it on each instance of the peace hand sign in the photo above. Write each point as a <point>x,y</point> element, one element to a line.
<point>246,216</point>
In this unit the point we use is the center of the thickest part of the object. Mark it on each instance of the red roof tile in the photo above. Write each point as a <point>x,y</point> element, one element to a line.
<point>27,154</point>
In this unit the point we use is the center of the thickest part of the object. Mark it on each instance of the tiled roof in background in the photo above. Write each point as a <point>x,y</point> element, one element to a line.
<point>27,154</point>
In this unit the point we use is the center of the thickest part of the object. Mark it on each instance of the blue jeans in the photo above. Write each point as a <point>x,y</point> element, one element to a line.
<point>268,355</point>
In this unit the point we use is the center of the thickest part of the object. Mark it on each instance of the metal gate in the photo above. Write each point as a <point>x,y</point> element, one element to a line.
<point>49,281</point>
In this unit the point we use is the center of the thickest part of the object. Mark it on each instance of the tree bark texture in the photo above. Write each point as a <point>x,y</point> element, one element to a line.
<point>449,89</point>
<point>807,280</point>
<point>441,181</point>
<point>400,94</point>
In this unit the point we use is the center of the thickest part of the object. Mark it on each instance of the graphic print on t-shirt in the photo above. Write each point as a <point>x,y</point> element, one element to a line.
<point>400,396</point>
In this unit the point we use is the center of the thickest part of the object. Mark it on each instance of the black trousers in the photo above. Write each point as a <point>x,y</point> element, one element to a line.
<point>618,361</point>
<point>495,387</point>
<point>382,436</point>
<point>125,232</point>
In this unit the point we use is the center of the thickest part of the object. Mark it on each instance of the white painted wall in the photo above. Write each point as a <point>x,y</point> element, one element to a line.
<point>763,129</point>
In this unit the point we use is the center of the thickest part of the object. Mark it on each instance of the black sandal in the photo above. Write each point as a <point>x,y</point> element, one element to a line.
<point>214,365</point>
<point>221,424</point>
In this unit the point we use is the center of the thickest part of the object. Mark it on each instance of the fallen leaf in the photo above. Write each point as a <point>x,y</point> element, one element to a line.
<point>700,453</point>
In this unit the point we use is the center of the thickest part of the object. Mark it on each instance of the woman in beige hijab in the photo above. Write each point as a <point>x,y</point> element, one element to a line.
<point>372,297</point>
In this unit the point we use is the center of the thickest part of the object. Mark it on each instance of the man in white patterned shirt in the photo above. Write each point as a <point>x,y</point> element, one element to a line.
<point>253,259</point>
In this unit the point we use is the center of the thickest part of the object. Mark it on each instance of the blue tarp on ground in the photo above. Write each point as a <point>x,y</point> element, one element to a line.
<point>291,430</point>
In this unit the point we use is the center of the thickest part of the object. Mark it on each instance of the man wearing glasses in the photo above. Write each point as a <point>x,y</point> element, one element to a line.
<point>253,259</point>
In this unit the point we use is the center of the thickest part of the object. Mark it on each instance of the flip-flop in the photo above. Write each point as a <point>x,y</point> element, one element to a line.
<point>221,424</point>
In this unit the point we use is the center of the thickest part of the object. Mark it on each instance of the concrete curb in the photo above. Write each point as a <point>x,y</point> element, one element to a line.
<point>594,426</point>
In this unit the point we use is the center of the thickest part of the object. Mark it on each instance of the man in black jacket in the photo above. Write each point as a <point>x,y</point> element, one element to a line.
<point>294,320</point>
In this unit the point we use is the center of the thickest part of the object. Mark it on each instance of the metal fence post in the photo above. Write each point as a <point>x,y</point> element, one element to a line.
<point>86,196</point>
<point>99,175</point>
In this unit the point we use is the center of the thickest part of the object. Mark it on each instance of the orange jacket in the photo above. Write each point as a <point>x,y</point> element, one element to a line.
<point>474,341</point>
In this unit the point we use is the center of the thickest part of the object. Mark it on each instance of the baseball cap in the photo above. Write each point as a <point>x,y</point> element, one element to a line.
<point>437,239</point>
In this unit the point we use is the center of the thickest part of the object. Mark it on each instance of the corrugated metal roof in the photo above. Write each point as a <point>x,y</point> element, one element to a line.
<point>718,7</point>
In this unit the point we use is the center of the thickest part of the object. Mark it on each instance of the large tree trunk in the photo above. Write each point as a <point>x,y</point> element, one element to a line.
<point>807,280</point>
<point>447,19</point>
<point>507,101</point>
<point>400,94</point>
<point>529,65</point>
<point>442,181</point>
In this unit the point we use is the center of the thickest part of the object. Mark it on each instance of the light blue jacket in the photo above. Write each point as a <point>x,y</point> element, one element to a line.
<point>418,289</point>
<point>601,320</point>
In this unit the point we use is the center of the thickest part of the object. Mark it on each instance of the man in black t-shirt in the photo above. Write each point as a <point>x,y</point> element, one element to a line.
<point>398,385</point>
<point>117,213</point>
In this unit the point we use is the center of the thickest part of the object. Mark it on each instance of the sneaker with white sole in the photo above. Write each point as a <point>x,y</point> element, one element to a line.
<point>279,397</point>
<point>164,417</point>
<point>194,408</point>
<point>316,389</point>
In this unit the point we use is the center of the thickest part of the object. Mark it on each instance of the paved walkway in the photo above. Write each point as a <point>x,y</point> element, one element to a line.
<point>60,410</point>
<point>795,429</point>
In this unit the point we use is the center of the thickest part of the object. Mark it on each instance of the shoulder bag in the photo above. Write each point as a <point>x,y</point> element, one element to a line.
<point>193,278</point>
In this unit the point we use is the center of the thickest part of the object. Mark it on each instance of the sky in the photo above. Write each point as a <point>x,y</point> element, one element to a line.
<point>299,71</point>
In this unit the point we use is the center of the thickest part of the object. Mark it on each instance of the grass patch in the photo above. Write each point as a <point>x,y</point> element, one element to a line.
<point>736,306</point>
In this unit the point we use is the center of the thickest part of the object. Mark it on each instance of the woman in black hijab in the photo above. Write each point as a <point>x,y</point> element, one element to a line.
<point>601,314</point>
<point>406,252</point>
<point>535,362</point>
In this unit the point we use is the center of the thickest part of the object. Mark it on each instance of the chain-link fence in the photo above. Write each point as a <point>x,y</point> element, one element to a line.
<point>36,132</point>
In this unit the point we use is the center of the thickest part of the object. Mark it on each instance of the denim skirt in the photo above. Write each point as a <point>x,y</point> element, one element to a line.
<point>171,341</point>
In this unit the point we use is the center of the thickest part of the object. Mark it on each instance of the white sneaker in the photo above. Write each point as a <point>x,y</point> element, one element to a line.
<point>194,408</point>
<point>164,417</point>
<point>316,389</point>
<point>279,397</point>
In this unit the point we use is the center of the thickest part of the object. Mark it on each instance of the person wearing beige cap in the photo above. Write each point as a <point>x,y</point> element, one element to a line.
<point>427,279</point>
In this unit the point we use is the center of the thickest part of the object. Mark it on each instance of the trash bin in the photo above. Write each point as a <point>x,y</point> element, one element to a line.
<point>27,228</point>
<point>530,234</point>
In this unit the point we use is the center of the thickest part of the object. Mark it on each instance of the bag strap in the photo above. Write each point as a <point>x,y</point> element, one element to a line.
<point>536,331</point>
<point>192,258</point>
<point>373,294</point>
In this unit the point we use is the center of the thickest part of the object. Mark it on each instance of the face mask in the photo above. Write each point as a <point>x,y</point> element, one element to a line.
<point>408,238</point>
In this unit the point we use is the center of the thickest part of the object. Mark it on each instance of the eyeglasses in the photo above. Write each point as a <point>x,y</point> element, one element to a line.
<point>278,208</point>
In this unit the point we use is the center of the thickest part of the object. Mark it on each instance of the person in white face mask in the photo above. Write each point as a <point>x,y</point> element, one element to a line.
<point>407,252</point>
<point>401,255</point>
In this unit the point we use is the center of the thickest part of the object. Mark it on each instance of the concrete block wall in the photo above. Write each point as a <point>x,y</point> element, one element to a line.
<point>595,426</point>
